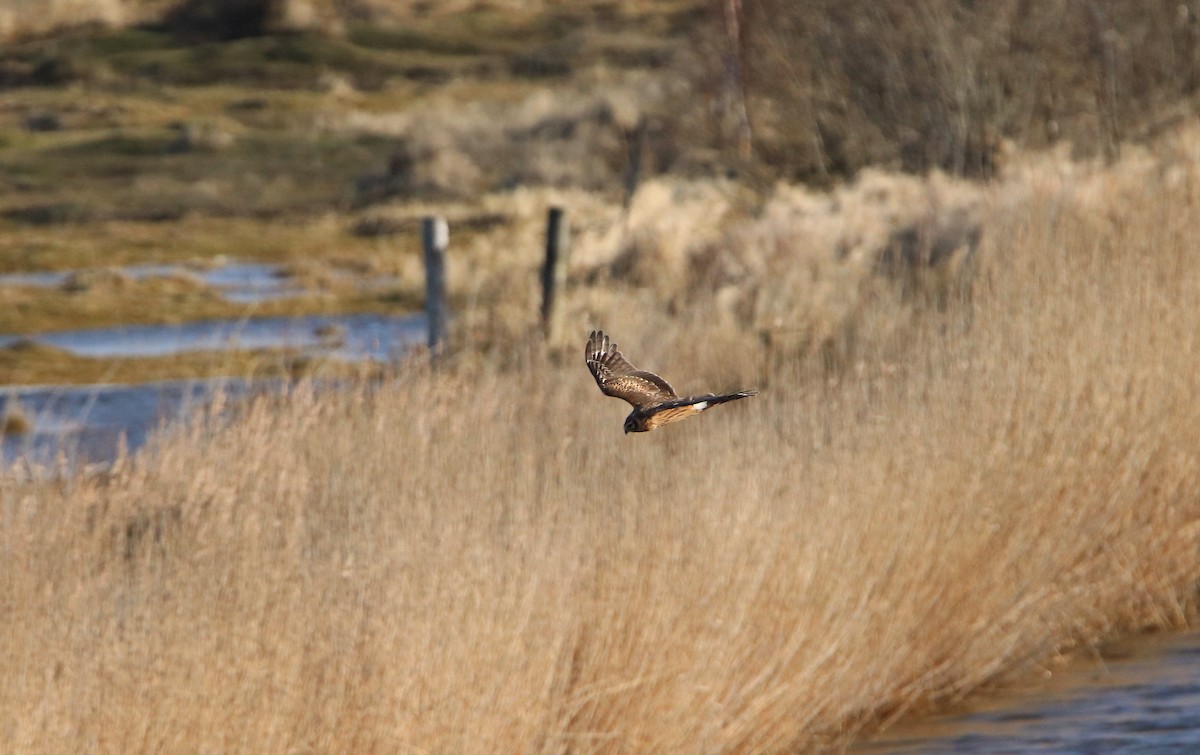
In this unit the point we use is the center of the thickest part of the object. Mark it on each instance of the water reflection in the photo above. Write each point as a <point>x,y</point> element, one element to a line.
<point>83,425</point>
<point>241,282</point>
<point>352,337</point>
<point>1146,703</point>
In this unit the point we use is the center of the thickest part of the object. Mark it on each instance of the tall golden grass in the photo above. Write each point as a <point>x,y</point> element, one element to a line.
<point>480,561</point>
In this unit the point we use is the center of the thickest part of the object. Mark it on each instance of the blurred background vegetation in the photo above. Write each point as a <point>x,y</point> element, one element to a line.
<point>833,86</point>
<point>314,134</point>
<point>827,87</point>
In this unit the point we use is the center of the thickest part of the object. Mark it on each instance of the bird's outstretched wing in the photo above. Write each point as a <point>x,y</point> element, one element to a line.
<point>617,377</point>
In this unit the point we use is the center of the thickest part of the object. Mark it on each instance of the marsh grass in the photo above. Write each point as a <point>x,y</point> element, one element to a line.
<point>194,240</point>
<point>15,421</point>
<point>168,172</point>
<point>477,560</point>
<point>116,300</point>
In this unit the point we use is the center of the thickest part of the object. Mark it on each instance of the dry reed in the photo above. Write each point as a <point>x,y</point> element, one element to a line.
<point>474,561</point>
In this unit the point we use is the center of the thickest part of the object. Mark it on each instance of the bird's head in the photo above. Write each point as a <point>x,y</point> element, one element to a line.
<point>634,425</point>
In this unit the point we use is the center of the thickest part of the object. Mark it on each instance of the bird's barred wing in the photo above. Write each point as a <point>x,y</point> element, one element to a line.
<point>617,377</point>
<point>682,408</point>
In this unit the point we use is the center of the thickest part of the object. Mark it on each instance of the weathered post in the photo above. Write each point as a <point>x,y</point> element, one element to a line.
<point>435,237</point>
<point>637,153</point>
<point>554,271</point>
<point>734,104</point>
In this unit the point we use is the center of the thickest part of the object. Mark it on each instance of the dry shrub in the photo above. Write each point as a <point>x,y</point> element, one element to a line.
<point>798,267</point>
<point>668,220</point>
<point>831,86</point>
<point>575,136</point>
<point>14,420</point>
<point>480,561</point>
<point>806,267</point>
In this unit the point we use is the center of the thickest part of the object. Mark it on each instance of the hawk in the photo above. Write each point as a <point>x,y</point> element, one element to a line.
<point>654,401</point>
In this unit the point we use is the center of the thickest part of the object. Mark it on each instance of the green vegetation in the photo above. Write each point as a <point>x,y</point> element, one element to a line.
<point>122,146</point>
<point>118,301</point>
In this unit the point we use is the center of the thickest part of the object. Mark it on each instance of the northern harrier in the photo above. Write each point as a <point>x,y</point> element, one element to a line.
<point>654,401</point>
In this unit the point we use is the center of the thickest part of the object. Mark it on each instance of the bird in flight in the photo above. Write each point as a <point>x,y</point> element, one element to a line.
<point>654,401</point>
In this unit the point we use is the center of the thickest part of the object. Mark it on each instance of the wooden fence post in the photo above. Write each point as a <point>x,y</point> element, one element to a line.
<point>554,271</point>
<point>435,237</point>
<point>637,153</point>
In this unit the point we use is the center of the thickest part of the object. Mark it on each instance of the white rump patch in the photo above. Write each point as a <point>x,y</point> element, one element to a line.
<point>700,406</point>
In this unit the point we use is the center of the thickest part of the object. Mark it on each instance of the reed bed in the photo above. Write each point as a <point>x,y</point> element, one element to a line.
<point>478,560</point>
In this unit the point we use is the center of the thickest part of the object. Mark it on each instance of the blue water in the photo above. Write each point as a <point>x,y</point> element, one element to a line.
<point>352,337</point>
<point>250,282</point>
<point>242,282</point>
<point>1146,704</point>
<point>81,425</point>
<point>85,424</point>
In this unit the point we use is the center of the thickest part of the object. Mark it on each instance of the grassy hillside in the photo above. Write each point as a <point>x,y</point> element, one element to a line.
<point>480,561</point>
<point>143,141</point>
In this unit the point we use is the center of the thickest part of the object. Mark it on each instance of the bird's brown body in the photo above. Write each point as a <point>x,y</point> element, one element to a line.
<point>654,401</point>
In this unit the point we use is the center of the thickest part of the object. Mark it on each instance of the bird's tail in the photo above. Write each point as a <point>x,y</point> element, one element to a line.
<point>700,403</point>
<point>731,396</point>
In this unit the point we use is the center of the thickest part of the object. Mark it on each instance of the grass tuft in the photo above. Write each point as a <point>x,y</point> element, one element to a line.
<point>15,422</point>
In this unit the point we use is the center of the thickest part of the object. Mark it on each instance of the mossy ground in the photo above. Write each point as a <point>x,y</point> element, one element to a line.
<point>130,146</point>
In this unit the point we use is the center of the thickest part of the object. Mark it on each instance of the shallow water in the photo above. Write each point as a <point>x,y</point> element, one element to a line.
<point>350,337</point>
<point>1148,702</point>
<point>40,280</point>
<point>249,282</point>
<point>242,282</point>
<point>82,425</point>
